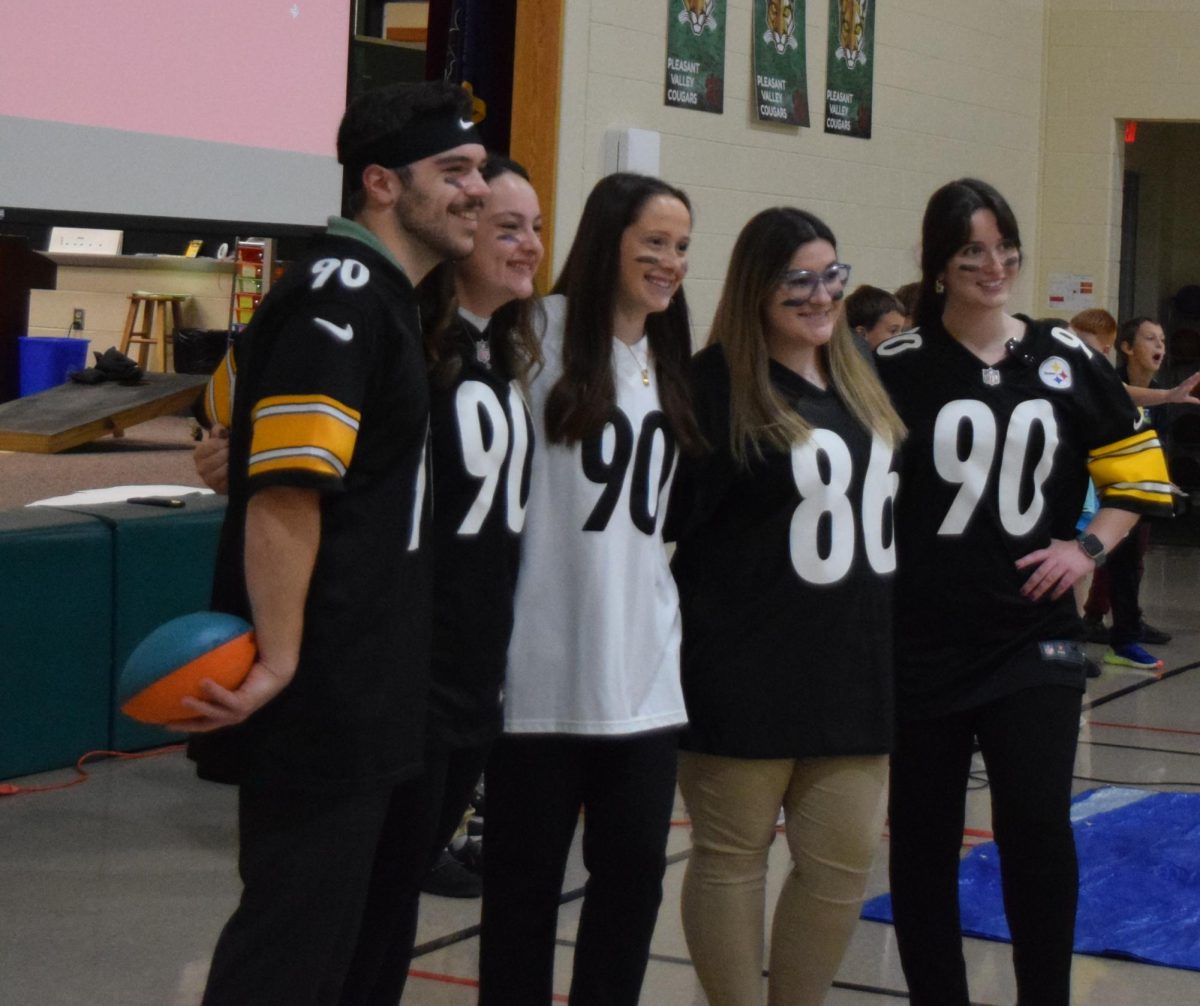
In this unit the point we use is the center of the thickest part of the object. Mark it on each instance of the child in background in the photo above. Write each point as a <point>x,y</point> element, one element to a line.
<point>1141,347</point>
<point>874,314</point>
<point>1098,329</point>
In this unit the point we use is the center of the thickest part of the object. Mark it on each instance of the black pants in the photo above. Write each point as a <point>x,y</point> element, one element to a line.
<point>306,860</point>
<point>332,883</point>
<point>535,787</point>
<point>389,929</point>
<point>1124,569</point>
<point>1028,745</point>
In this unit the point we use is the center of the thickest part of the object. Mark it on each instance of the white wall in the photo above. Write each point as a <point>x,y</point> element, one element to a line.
<point>958,91</point>
<point>1110,60</point>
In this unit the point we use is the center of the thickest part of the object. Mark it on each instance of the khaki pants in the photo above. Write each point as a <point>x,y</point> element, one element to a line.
<point>833,812</point>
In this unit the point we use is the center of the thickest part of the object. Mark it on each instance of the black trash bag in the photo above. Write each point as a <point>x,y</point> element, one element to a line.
<point>199,350</point>
<point>111,365</point>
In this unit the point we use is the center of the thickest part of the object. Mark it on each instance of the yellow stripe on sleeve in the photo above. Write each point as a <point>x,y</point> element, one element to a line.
<point>218,394</point>
<point>295,462</point>
<point>302,432</point>
<point>1132,474</point>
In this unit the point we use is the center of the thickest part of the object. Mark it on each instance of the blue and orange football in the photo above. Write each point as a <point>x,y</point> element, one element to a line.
<point>171,662</point>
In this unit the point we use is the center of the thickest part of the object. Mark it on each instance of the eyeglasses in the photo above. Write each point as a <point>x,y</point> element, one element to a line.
<point>801,284</point>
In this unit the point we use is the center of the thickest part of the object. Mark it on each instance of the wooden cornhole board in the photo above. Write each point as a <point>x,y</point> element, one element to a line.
<point>74,414</point>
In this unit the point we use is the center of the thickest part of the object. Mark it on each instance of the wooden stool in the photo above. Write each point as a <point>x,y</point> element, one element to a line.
<point>156,328</point>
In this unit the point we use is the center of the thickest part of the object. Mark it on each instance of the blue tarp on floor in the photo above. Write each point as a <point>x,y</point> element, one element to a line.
<point>1139,879</point>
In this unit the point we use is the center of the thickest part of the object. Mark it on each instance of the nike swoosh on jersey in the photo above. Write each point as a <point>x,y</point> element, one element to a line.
<point>343,333</point>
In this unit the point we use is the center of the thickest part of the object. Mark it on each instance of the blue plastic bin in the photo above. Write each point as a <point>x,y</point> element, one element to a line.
<point>47,362</point>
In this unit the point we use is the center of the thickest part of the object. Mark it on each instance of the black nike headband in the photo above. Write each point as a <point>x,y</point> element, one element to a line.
<point>422,136</point>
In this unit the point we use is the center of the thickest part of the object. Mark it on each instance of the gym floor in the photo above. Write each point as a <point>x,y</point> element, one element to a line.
<point>112,892</point>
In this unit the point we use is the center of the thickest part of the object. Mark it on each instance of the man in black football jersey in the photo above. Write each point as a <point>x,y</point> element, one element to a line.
<point>1006,419</point>
<point>325,549</point>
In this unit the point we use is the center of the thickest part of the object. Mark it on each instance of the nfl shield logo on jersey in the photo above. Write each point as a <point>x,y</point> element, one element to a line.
<point>1055,373</point>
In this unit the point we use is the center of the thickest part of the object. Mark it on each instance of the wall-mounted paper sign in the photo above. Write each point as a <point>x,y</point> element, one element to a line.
<point>1070,293</point>
<point>780,77</point>
<point>696,55</point>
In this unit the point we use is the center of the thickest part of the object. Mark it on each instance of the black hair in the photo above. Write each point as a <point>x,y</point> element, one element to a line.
<point>582,399</point>
<point>868,304</point>
<point>384,111</point>
<point>946,228</point>
<point>512,338</point>
<point>1127,333</point>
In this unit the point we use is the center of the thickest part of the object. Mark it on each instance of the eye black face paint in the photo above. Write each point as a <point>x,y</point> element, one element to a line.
<point>1009,263</point>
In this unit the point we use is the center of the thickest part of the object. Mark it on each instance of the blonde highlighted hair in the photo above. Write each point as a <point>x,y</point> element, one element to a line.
<point>760,415</point>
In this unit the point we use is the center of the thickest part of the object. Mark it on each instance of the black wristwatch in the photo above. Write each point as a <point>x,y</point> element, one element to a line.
<point>1093,548</point>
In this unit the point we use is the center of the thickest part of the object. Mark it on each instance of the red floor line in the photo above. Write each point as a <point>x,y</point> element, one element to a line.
<point>433,976</point>
<point>1135,726</point>
<point>967,833</point>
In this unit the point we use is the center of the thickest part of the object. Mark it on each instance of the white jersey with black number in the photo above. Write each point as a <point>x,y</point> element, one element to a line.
<point>596,633</point>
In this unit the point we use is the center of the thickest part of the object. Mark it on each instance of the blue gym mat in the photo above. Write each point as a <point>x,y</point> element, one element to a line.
<point>1139,879</point>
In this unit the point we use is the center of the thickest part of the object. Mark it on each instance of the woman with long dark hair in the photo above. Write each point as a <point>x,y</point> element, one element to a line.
<point>592,702</point>
<point>784,563</point>
<point>1006,418</point>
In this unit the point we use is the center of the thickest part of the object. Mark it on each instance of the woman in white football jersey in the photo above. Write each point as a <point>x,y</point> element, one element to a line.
<point>1006,416</point>
<point>592,703</point>
<point>784,564</point>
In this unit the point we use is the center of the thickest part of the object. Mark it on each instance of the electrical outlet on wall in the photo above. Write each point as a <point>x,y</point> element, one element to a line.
<point>77,320</point>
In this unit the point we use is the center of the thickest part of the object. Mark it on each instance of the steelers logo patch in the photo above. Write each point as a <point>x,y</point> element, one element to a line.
<point>1055,372</point>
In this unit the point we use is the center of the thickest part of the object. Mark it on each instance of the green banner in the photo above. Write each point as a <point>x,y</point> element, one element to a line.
<point>849,68</point>
<point>780,77</point>
<point>696,55</point>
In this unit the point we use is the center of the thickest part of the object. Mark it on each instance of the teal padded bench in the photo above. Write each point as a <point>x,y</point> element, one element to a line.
<point>163,562</point>
<point>56,623</point>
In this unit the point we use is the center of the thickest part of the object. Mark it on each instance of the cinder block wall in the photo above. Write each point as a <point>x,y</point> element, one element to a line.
<point>1108,61</point>
<point>958,90</point>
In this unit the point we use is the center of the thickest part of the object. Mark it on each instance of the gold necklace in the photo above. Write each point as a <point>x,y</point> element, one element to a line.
<point>644,368</point>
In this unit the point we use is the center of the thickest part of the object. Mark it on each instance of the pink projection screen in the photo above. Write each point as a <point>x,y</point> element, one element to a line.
<point>221,109</point>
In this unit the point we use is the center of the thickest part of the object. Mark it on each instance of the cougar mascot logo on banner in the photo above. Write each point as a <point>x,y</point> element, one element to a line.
<point>781,25</point>
<point>697,14</point>
<point>852,28</point>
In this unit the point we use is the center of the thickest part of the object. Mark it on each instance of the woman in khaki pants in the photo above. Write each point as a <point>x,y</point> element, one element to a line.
<point>784,564</point>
